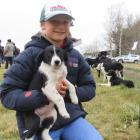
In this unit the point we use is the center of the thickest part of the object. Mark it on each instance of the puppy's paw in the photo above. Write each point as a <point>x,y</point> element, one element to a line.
<point>66,116</point>
<point>73,96</point>
<point>74,99</point>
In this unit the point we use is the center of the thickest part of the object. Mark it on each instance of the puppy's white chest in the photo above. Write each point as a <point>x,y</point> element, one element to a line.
<point>54,76</point>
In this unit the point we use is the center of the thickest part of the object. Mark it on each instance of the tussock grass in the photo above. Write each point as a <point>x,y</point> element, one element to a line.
<point>114,111</point>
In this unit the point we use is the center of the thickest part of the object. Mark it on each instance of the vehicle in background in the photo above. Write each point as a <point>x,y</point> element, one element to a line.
<point>119,58</point>
<point>130,58</point>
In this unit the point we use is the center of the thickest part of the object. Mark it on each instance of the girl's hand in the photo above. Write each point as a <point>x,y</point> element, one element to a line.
<point>61,86</point>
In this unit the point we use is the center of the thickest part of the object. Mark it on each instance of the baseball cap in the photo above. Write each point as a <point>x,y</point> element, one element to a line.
<point>52,9</point>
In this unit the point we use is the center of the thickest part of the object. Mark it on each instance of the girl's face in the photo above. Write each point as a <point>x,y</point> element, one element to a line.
<point>57,28</point>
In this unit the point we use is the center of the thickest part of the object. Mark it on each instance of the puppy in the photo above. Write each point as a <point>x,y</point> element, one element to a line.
<point>114,80</point>
<point>105,67</point>
<point>52,67</point>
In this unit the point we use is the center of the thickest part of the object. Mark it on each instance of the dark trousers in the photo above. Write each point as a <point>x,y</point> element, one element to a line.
<point>8,61</point>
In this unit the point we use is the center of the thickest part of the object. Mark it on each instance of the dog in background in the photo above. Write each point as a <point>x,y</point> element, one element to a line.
<point>114,80</point>
<point>52,67</point>
<point>103,64</point>
<point>106,67</point>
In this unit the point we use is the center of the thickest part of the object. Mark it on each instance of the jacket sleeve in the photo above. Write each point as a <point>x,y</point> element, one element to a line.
<point>85,85</point>
<point>14,89</point>
<point>6,49</point>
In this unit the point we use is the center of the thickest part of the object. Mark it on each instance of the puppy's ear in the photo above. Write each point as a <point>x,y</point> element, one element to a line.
<point>39,57</point>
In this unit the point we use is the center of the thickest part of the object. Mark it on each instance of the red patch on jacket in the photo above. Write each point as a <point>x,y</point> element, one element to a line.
<point>28,93</point>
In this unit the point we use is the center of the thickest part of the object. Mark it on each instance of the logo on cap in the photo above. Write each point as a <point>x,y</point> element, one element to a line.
<point>58,8</point>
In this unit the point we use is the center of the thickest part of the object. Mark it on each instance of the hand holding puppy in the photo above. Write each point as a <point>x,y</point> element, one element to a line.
<point>62,86</point>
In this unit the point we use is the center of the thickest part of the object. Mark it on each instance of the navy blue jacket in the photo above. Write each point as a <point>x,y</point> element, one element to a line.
<point>17,78</point>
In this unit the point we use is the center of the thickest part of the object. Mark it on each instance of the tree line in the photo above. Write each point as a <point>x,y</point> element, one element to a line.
<point>122,30</point>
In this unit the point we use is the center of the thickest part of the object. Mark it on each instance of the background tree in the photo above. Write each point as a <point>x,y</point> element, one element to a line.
<point>114,28</point>
<point>122,30</point>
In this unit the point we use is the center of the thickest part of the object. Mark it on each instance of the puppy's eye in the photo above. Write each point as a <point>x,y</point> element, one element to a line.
<point>59,52</point>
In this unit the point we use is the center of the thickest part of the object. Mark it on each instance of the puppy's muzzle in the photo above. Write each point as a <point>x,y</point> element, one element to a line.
<point>57,62</point>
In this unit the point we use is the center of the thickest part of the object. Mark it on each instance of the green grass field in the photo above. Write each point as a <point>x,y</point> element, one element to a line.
<point>114,111</point>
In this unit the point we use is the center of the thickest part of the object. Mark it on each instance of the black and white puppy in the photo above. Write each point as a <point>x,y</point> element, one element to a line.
<point>114,80</point>
<point>105,67</point>
<point>52,67</point>
<point>92,62</point>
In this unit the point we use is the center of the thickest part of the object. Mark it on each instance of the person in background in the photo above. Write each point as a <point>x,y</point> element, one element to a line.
<point>16,51</point>
<point>9,53</point>
<point>1,54</point>
<point>55,22</point>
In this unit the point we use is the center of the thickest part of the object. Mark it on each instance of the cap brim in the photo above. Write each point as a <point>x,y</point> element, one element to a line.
<point>58,13</point>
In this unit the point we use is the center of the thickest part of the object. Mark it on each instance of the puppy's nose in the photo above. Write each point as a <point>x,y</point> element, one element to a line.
<point>57,62</point>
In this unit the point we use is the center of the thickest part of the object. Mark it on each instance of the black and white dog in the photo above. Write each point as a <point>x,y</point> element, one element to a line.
<point>92,62</point>
<point>104,67</point>
<point>52,67</point>
<point>102,57</point>
<point>114,80</point>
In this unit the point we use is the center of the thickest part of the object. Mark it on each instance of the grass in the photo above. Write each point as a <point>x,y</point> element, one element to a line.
<point>114,111</point>
<point>115,115</point>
